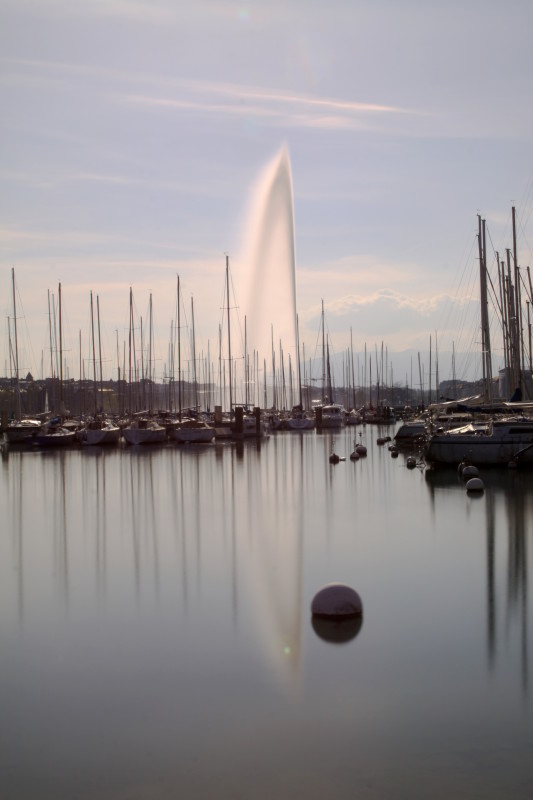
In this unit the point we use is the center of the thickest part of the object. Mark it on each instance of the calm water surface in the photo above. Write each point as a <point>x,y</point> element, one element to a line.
<point>156,639</point>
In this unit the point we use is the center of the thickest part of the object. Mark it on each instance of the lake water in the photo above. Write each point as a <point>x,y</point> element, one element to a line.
<point>156,636</point>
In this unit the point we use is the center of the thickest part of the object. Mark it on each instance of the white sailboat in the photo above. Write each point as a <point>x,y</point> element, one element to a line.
<point>498,442</point>
<point>193,430</point>
<point>100,431</point>
<point>19,429</point>
<point>144,429</point>
<point>299,420</point>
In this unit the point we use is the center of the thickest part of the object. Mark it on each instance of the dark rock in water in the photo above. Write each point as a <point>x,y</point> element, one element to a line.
<point>336,601</point>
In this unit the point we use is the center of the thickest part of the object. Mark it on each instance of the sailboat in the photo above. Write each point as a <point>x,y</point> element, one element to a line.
<point>329,414</point>
<point>298,420</point>
<point>100,430</point>
<point>53,433</point>
<point>19,429</point>
<point>503,440</point>
<point>143,429</point>
<point>239,423</point>
<point>193,430</point>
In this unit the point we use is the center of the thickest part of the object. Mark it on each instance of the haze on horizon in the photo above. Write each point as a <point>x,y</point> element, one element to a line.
<point>133,133</point>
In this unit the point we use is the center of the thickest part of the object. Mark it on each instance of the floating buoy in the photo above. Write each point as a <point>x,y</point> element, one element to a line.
<point>334,458</point>
<point>337,631</point>
<point>354,456</point>
<point>470,471</point>
<point>475,485</point>
<point>394,453</point>
<point>388,438</point>
<point>380,440</point>
<point>336,601</point>
<point>361,449</point>
<point>411,462</point>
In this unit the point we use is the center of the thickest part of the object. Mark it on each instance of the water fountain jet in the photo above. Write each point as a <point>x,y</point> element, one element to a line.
<point>268,262</point>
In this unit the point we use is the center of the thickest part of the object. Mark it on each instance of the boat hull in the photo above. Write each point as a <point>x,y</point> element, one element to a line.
<point>300,424</point>
<point>101,436</point>
<point>19,432</point>
<point>56,439</point>
<point>194,435</point>
<point>144,435</point>
<point>512,443</point>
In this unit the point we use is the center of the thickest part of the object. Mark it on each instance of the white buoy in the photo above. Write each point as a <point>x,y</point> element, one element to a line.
<point>336,601</point>
<point>475,485</point>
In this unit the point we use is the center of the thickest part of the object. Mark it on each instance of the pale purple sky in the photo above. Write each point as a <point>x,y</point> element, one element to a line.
<point>132,135</point>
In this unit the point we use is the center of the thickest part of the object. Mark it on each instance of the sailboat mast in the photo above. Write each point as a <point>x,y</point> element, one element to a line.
<point>179,353</point>
<point>193,343</point>
<point>17,379</point>
<point>94,359</point>
<point>429,377</point>
<point>518,303</point>
<point>485,334</point>
<point>149,368</point>
<point>323,358</point>
<point>100,353</point>
<point>300,400</point>
<point>60,354</point>
<point>436,368</point>
<point>353,372</point>
<point>229,337</point>
<point>245,365</point>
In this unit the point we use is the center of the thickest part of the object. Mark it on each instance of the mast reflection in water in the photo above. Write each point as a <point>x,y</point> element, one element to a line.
<point>156,633</point>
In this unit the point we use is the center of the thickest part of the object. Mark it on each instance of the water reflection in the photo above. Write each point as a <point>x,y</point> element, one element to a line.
<point>511,492</point>
<point>337,631</point>
<point>156,605</point>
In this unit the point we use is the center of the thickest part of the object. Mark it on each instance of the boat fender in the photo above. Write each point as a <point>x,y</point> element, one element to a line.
<point>475,485</point>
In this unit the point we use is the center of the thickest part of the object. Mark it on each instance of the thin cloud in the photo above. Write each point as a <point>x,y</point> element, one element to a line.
<point>280,107</point>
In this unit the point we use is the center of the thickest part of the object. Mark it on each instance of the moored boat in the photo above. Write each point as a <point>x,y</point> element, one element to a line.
<point>330,416</point>
<point>53,434</point>
<point>102,432</point>
<point>193,431</point>
<point>21,430</point>
<point>144,431</point>
<point>299,421</point>
<point>498,442</point>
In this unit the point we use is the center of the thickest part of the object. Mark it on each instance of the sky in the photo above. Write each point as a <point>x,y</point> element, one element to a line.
<point>134,136</point>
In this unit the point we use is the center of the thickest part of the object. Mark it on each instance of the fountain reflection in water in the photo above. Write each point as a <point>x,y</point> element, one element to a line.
<point>267,264</point>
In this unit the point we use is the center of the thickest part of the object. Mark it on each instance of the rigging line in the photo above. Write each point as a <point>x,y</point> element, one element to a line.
<point>523,232</point>
<point>527,191</point>
<point>526,286</point>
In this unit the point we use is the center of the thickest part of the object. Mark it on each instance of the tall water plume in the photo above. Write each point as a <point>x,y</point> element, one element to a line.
<point>268,262</point>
